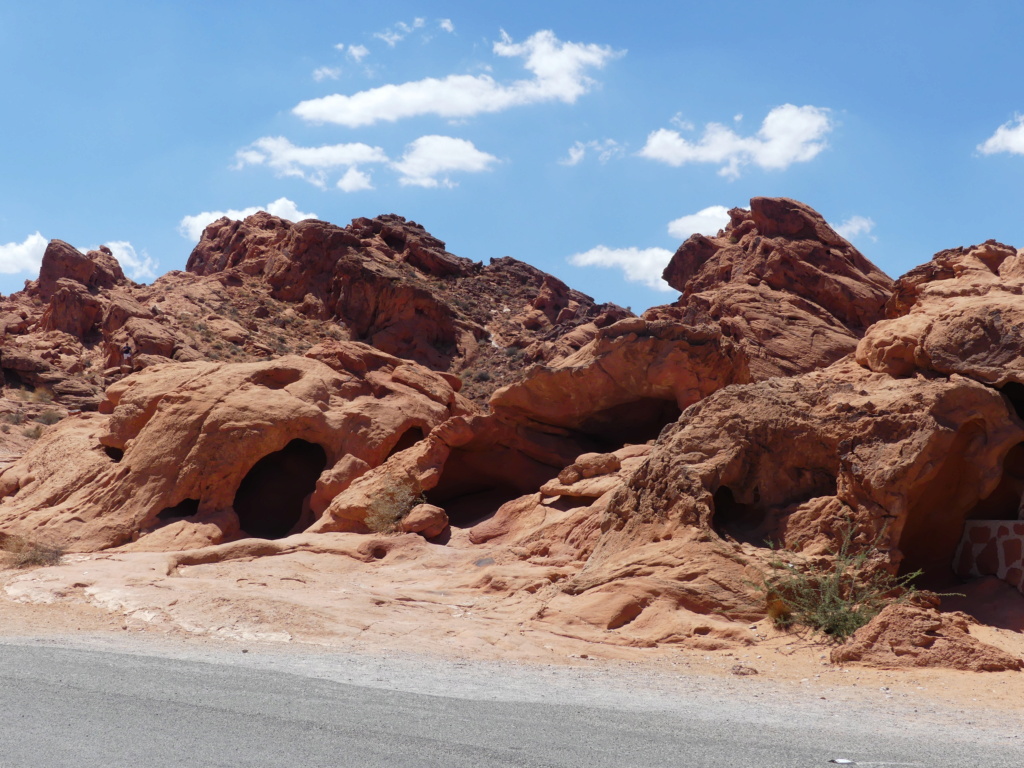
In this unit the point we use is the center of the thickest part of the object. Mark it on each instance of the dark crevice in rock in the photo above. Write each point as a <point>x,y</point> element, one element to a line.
<point>272,500</point>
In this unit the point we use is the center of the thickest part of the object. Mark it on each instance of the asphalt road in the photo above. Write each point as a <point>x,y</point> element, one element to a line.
<point>62,706</point>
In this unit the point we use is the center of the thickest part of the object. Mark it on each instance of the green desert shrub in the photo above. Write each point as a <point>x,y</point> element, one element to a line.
<point>835,596</point>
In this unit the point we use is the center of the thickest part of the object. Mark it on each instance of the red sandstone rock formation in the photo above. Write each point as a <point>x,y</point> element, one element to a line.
<point>797,461</point>
<point>780,281</point>
<point>636,461</point>
<point>960,313</point>
<point>185,455</point>
<point>265,287</point>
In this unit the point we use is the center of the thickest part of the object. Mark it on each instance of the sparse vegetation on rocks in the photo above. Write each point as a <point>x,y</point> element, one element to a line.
<point>835,596</point>
<point>16,552</point>
<point>387,510</point>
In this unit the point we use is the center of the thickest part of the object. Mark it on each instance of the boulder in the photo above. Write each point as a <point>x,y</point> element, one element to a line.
<point>909,636</point>
<point>96,269</point>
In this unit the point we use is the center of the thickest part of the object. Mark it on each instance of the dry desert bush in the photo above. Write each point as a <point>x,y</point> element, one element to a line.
<point>16,552</point>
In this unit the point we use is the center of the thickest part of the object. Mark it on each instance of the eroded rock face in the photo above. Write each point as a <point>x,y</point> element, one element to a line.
<point>219,451</point>
<point>798,461</point>
<point>960,313</point>
<point>267,287</point>
<point>389,283</point>
<point>794,294</point>
<point>61,261</point>
<point>635,377</point>
<point>643,464</point>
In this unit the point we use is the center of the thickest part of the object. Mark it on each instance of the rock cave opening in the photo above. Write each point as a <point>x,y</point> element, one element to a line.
<point>184,508</point>
<point>738,521</point>
<point>634,422</point>
<point>408,439</point>
<point>1014,392</point>
<point>937,514</point>
<point>13,379</point>
<point>272,499</point>
<point>114,454</point>
<point>474,484</point>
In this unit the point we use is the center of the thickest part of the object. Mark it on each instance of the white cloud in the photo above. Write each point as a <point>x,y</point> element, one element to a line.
<point>139,267</point>
<point>446,25</point>
<point>789,134</point>
<point>639,265</point>
<point>605,150</point>
<point>25,256</point>
<point>354,180</point>
<point>706,221</point>
<point>326,73</point>
<point>855,226</point>
<point>309,163</point>
<point>559,75</point>
<point>1008,137</point>
<point>429,157</point>
<point>399,32</point>
<point>192,227</point>
<point>358,52</point>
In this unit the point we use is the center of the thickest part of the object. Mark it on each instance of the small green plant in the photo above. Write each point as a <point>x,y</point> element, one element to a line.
<point>48,417</point>
<point>33,433</point>
<point>836,598</point>
<point>386,511</point>
<point>15,418</point>
<point>21,553</point>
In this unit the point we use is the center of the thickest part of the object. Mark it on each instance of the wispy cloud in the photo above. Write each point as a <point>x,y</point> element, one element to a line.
<point>559,74</point>
<point>1009,137</point>
<point>605,151</point>
<point>326,73</point>
<point>789,134</point>
<point>358,52</point>
<point>446,25</point>
<point>640,265</point>
<point>396,34</point>
<point>429,159</point>
<point>191,227</point>
<point>25,256</point>
<point>354,180</point>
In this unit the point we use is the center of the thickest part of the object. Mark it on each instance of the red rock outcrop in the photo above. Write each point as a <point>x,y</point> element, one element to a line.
<point>389,283</point>
<point>635,377</point>
<point>266,287</point>
<point>797,461</point>
<point>195,453</point>
<point>904,635</point>
<point>960,313</point>
<point>779,281</point>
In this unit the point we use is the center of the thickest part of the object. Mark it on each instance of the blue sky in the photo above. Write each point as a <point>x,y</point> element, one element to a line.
<point>583,138</point>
